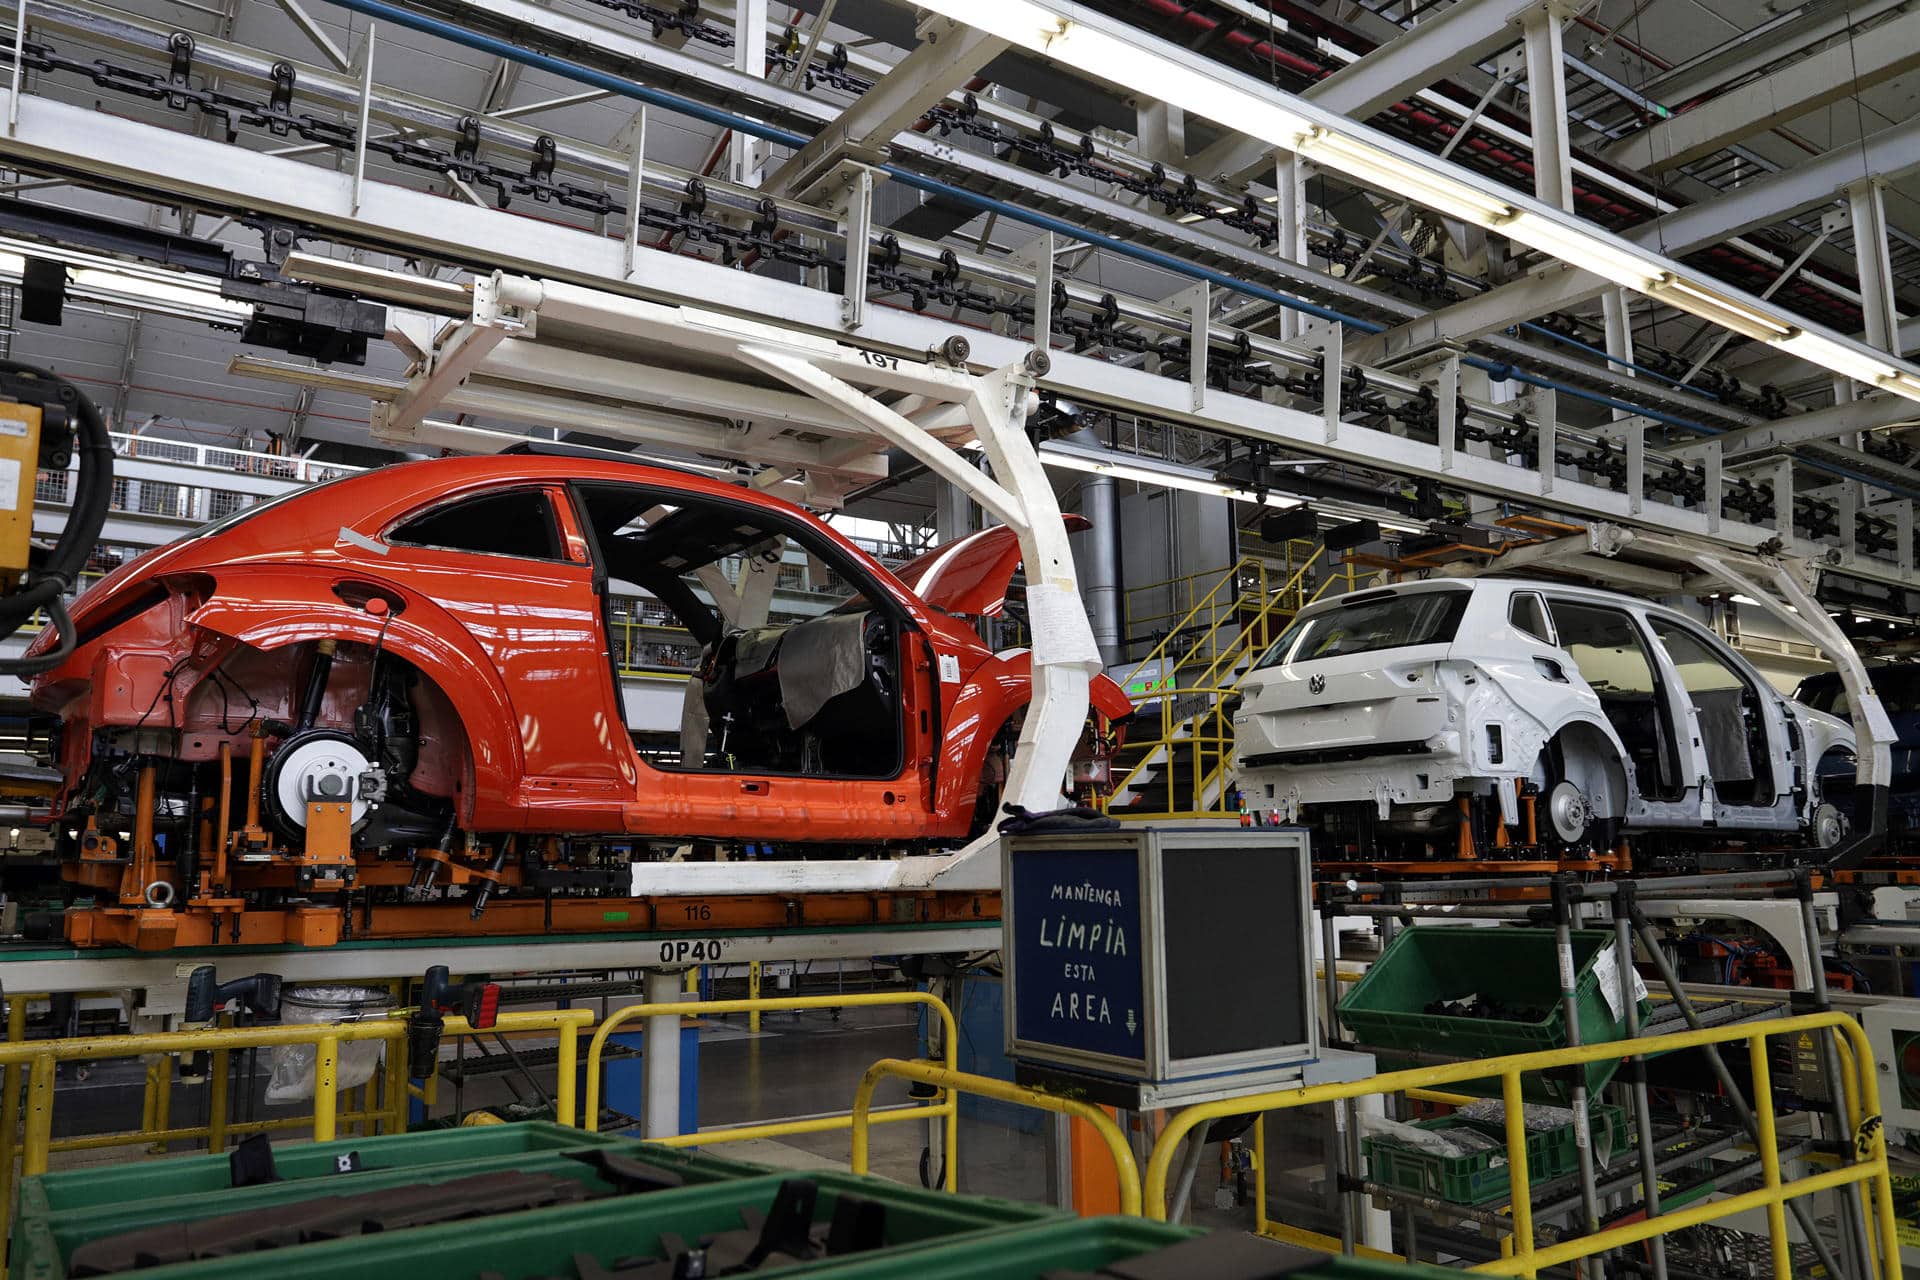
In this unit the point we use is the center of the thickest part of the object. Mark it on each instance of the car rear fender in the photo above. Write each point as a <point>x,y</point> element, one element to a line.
<point>461,670</point>
<point>1595,759</point>
<point>1000,687</point>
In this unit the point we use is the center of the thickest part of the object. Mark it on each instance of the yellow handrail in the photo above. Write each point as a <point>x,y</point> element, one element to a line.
<point>947,1079</point>
<point>1526,1260</point>
<point>945,1108</point>
<point>41,1056</point>
<point>1187,734</point>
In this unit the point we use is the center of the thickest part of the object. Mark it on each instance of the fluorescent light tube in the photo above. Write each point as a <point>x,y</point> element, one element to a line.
<point>1398,176</point>
<point>1590,251</point>
<point>1164,475</point>
<point>132,285</point>
<point>1713,306</point>
<point>1841,358</point>
<point>1903,384</point>
<point>1126,64</point>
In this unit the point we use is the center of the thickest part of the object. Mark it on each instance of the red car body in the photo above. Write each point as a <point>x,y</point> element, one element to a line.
<point>512,717</point>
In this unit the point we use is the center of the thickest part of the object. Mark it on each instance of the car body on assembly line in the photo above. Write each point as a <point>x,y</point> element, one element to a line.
<point>1566,715</point>
<point>433,644</point>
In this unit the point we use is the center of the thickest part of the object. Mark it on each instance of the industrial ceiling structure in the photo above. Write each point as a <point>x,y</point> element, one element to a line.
<point>1650,262</point>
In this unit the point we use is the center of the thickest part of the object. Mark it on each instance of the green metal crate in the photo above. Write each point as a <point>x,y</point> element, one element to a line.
<point>1387,1008</point>
<point>59,1212</point>
<point>1484,1177</point>
<point>545,1241</point>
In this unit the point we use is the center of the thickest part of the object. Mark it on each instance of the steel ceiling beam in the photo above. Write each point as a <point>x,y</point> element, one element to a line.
<point>948,55</point>
<point>1764,45</point>
<point>1469,32</point>
<point>1759,203</point>
<point>146,160</point>
<point>1839,71</point>
<point>1869,413</point>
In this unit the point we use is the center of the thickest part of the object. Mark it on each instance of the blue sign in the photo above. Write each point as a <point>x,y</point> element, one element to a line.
<point>1078,955</point>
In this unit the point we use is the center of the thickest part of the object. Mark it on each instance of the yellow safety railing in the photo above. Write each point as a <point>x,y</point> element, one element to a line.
<point>1860,1090</point>
<point>952,1082</point>
<point>942,1108</point>
<point>1193,674</point>
<point>36,1143</point>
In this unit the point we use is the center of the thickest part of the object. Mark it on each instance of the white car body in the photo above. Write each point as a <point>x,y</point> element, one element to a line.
<point>1345,711</point>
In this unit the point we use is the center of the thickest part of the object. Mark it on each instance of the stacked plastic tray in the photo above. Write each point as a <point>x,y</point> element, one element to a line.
<point>528,1201</point>
<point>1483,1176</point>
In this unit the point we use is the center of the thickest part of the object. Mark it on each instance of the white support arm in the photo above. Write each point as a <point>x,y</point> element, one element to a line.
<point>1873,729</point>
<point>1064,656</point>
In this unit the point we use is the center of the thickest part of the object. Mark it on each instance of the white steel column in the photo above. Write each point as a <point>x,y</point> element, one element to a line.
<point>1162,131</point>
<point>1290,180</point>
<point>1867,205</point>
<point>1619,323</point>
<point>1547,100</point>
<point>747,156</point>
<point>660,1058</point>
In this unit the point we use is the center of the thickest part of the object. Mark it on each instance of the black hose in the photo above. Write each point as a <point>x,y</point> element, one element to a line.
<point>93,495</point>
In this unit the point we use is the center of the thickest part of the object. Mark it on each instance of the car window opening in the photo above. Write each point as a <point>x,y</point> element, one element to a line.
<point>1609,653</point>
<point>516,522</point>
<point>814,695</point>
<point>1370,623</point>
<point>1732,719</point>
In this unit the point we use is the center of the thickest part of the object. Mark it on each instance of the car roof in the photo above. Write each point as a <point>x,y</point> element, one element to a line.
<point>366,503</point>
<point>1504,587</point>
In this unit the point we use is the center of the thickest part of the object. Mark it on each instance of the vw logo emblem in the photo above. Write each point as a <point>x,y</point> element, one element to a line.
<point>1316,684</point>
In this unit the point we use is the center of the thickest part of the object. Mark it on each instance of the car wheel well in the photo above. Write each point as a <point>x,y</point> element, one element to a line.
<point>1583,755</point>
<point>986,805</point>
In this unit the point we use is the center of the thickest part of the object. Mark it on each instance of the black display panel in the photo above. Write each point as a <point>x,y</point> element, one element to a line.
<point>1233,950</point>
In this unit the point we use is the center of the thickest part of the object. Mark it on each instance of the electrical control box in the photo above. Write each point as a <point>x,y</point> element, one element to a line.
<point>19,468</point>
<point>1153,964</point>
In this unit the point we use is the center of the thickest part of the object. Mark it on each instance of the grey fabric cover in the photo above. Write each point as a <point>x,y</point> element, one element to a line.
<point>1723,731</point>
<point>820,659</point>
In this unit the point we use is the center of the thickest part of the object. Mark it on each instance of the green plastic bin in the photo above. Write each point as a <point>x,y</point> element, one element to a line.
<point>546,1241</point>
<point>59,1212</point>
<point>1484,1177</point>
<point>189,1176</point>
<point>1386,1009</point>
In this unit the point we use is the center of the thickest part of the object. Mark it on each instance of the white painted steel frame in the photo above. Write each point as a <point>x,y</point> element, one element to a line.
<point>1131,59</point>
<point>162,975</point>
<point>70,138</point>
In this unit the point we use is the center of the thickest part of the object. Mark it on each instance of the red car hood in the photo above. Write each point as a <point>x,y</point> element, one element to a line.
<point>970,575</point>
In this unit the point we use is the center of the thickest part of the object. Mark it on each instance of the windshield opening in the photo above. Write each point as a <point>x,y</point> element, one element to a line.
<point>1395,622</point>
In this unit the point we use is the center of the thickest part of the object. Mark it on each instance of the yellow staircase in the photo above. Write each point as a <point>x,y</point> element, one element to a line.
<point>1217,624</point>
<point>1178,758</point>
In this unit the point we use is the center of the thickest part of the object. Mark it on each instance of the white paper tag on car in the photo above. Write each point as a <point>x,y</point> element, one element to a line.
<point>1607,970</point>
<point>949,668</point>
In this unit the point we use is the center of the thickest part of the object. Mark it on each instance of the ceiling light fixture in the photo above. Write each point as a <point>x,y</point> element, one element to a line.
<point>1164,475</point>
<point>1726,311</point>
<point>97,278</point>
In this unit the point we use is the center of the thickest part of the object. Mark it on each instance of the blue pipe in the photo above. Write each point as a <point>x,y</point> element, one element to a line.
<point>1640,369</point>
<point>388,12</point>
